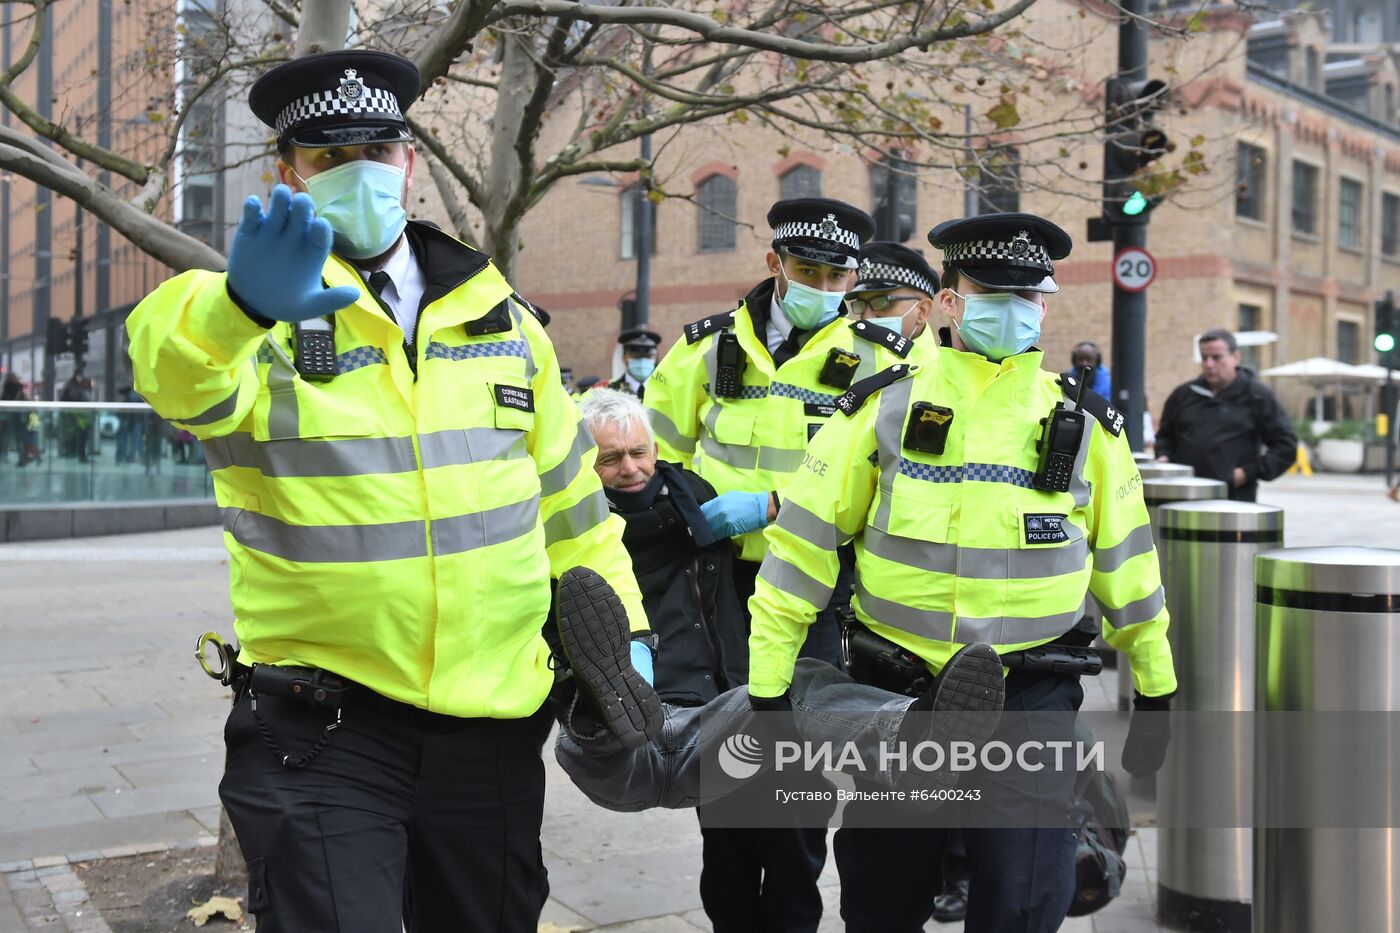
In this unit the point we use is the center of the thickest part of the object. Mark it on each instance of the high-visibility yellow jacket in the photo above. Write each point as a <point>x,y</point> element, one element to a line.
<point>398,524</point>
<point>958,547</point>
<point>755,442</point>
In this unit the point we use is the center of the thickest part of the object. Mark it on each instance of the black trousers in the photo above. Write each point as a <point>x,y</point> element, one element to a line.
<point>404,817</point>
<point>1021,880</point>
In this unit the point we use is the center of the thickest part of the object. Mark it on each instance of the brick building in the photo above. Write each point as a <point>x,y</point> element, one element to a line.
<point>1294,229</point>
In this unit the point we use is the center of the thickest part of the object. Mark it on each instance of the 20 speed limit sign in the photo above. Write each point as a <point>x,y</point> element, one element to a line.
<point>1134,269</point>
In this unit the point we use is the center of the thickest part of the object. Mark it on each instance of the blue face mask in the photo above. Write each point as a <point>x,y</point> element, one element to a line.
<point>894,322</point>
<point>999,324</point>
<point>363,202</point>
<point>641,367</point>
<point>807,307</point>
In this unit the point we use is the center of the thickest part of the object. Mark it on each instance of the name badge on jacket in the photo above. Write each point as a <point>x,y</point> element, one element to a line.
<point>515,397</point>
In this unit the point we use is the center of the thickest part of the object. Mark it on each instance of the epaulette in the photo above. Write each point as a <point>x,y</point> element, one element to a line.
<point>495,321</point>
<point>1094,404</point>
<point>540,314</point>
<point>698,330</point>
<point>897,344</point>
<point>855,396</point>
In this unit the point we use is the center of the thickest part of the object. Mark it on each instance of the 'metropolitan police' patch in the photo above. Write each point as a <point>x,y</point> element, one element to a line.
<point>1045,529</point>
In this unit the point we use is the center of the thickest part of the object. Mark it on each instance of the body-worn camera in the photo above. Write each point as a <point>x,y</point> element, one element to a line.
<point>928,428</point>
<point>839,369</point>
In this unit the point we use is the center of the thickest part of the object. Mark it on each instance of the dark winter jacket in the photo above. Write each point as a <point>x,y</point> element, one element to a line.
<point>1242,426</point>
<point>687,583</point>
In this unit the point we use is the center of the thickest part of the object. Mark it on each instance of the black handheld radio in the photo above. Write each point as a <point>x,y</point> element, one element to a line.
<point>315,355</point>
<point>1058,445</point>
<point>729,366</point>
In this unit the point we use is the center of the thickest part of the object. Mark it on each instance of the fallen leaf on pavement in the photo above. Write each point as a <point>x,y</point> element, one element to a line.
<point>228,907</point>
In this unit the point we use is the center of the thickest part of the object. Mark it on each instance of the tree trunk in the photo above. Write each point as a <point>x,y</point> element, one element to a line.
<point>325,24</point>
<point>230,870</point>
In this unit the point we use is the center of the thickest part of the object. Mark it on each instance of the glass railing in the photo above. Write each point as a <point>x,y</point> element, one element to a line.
<point>57,452</point>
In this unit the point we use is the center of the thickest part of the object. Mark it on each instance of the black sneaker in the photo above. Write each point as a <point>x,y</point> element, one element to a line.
<point>596,641</point>
<point>963,704</point>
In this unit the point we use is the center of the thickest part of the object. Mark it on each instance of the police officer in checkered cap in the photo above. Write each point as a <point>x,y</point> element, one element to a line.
<point>365,387</point>
<point>997,269</point>
<point>895,288</point>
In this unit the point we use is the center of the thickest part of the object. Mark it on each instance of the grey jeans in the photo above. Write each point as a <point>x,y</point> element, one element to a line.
<point>678,769</point>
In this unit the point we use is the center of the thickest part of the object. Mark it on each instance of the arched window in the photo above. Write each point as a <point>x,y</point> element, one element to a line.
<point>800,181</point>
<point>717,197</point>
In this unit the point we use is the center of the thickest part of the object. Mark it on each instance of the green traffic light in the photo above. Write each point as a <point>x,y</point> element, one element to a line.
<point>1385,342</point>
<point>1135,204</point>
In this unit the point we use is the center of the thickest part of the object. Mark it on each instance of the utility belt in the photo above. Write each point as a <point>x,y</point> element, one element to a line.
<point>877,661</point>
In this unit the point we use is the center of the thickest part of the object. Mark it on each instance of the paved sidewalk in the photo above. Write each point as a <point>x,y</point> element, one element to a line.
<point>113,741</point>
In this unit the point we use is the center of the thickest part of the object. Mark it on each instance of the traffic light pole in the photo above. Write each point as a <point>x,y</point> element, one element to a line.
<point>1130,308</point>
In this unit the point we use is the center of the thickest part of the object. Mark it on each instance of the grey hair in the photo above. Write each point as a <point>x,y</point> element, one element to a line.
<point>613,407</point>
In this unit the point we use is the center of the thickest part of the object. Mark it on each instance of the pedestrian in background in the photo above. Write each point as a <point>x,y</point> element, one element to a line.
<point>1087,355</point>
<point>1226,424</point>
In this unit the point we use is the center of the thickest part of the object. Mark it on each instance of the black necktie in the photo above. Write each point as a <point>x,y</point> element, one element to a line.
<point>379,281</point>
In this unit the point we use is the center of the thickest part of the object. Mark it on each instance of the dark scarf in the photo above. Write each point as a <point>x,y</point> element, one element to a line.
<point>669,478</point>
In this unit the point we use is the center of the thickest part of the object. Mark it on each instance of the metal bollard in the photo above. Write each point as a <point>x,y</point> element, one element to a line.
<point>1327,635</point>
<point>1204,880</point>
<point>1165,470</point>
<point>1158,492</point>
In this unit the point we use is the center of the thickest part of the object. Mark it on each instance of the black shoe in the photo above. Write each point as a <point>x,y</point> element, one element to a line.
<point>596,640</point>
<point>951,905</point>
<point>963,704</point>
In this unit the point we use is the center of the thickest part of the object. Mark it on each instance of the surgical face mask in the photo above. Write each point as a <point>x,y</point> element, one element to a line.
<point>999,324</point>
<point>894,322</point>
<point>808,307</point>
<point>363,202</point>
<point>641,367</point>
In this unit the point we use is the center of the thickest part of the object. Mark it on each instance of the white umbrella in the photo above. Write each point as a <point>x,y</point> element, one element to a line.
<point>1320,370</point>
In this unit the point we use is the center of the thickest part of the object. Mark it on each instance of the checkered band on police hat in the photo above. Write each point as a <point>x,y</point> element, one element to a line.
<point>1018,251</point>
<point>350,97</point>
<point>828,229</point>
<point>885,272</point>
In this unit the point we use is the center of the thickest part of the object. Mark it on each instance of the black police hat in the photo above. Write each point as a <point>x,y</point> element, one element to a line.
<point>820,229</point>
<point>639,338</point>
<point>886,266</point>
<point>1004,251</point>
<point>342,98</point>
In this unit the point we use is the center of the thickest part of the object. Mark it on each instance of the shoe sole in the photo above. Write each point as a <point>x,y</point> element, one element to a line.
<point>972,687</point>
<point>596,639</point>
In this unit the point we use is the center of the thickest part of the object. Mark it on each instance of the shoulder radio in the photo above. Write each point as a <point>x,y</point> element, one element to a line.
<point>1058,445</point>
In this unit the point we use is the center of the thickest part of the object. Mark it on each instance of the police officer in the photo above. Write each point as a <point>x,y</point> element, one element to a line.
<point>737,401</point>
<point>964,532</point>
<point>639,347</point>
<point>401,474</point>
<point>895,287</point>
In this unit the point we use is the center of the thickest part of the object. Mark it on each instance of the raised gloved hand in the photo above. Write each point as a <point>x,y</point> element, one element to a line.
<point>643,661</point>
<point>736,513</point>
<point>274,265</point>
<point>1149,732</point>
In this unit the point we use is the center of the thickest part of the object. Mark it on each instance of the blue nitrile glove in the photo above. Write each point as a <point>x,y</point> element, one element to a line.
<point>274,265</point>
<point>642,661</point>
<point>736,513</point>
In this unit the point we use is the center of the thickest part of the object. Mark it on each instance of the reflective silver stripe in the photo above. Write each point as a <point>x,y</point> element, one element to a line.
<point>797,521</point>
<point>216,412</point>
<point>576,519</point>
<point>979,563</point>
<point>558,478</point>
<point>894,401</point>
<point>1009,631</point>
<point>743,457</point>
<point>1138,542</point>
<point>351,456</point>
<point>530,368</point>
<point>794,581</point>
<point>483,529</point>
<point>926,623</point>
<point>470,445</point>
<point>282,418</point>
<point>664,428</point>
<point>325,544</point>
<point>1078,486</point>
<point>1136,612</point>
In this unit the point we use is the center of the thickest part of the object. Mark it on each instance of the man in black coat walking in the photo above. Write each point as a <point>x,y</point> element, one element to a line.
<point>1226,424</point>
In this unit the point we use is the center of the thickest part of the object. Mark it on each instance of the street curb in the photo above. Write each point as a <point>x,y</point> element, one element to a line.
<point>53,861</point>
